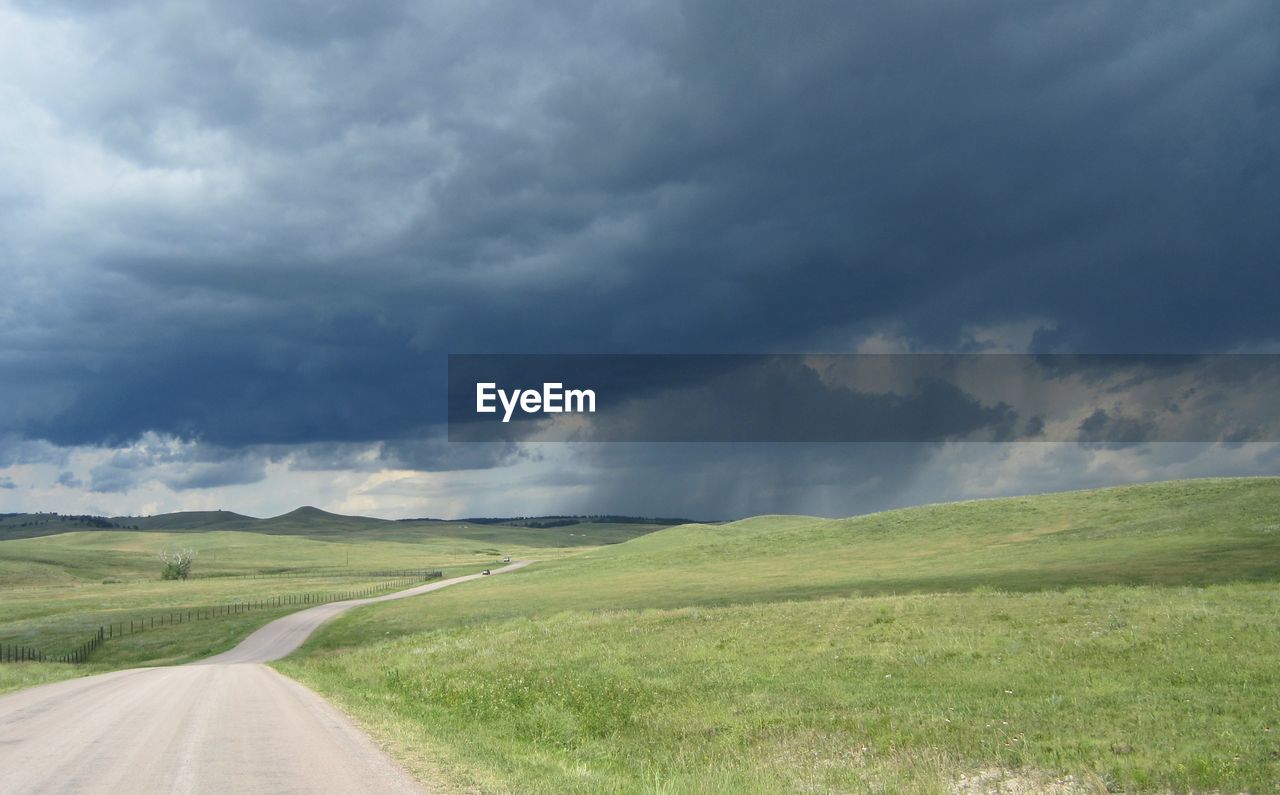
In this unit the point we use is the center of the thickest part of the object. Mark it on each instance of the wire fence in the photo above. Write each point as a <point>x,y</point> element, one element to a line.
<point>11,652</point>
<point>14,653</point>
<point>327,572</point>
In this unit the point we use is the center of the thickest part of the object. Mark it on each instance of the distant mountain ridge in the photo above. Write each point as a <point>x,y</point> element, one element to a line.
<point>564,520</point>
<point>305,520</point>
<point>26,525</point>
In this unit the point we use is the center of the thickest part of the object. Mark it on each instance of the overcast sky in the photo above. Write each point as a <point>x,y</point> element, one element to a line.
<point>238,239</point>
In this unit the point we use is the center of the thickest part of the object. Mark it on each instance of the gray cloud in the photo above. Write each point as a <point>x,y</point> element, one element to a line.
<point>180,465</point>
<point>110,480</point>
<point>429,454</point>
<point>710,481</point>
<point>16,450</point>
<point>713,481</point>
<point>264,224</point>
<point>1101,427</point>
<point>225,473</point>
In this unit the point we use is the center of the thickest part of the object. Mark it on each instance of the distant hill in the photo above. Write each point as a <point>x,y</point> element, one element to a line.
<point>307,520</point>
<point>31,525</point>
<point>565,521</point>
<point>1056,633</point>
<point>189,520</point>
<point>1180,532</point>
<point>312,521</point>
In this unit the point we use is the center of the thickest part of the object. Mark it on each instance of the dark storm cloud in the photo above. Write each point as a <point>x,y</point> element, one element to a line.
<point>728,481</point>
<point>110,480</point>
<point>436,454</point>
<point>876,397</point>
<point>305,208</point>
<point>427,454</point>
<point>242,380</point>
<point>1101,427</point>
<point>225,473</point>
<point>15,450</point>
<point>692,398</point>
<point>178,464</point>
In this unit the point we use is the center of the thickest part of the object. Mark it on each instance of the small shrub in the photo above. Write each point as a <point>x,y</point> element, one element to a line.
<point>177,565</point>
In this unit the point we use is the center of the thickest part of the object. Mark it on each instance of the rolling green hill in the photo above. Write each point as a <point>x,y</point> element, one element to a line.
<point>1178,533</point>
<point>1112,639</point>
<point>34,525</point>
<point>314,522</point>
<point>190,520</point>
<point>62,577</point>
<point>1104,640</point>
<point>303,540</point>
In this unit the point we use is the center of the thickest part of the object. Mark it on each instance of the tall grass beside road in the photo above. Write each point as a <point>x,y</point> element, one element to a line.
<point>1117,639</point>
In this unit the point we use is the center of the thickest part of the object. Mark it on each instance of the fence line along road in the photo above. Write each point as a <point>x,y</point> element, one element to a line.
<point>13,652</point>
<point>221,724</point>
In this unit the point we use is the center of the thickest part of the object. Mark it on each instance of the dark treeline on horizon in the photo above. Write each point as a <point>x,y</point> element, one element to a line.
<point>541,522</point>
<point>89,520</point>
<point>536,522</point>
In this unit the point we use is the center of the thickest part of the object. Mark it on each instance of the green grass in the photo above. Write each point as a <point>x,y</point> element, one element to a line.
<point>18,676</point>
<point>1138,687</point>
<point>57,620</point>
<point>1179,533</point>
<point>315,523</point>
<point>1133,627</point>
<point>89,556</point>
<point>57,589</point>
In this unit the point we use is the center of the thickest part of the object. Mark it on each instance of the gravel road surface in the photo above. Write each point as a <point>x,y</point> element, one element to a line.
<point>225,725</point>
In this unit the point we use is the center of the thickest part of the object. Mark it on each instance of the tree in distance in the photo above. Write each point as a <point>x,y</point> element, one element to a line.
<point>177,565</point>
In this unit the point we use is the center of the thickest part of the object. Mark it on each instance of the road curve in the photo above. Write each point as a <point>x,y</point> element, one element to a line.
<point>227,724</point>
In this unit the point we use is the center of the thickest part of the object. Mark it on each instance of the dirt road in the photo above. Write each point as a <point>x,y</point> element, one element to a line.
<point>227,724</point>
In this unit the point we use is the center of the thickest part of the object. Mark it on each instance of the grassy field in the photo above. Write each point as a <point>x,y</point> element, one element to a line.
<point>1118,639</point>
<point>57,589</point>
<point>331,543</point>
<point>315,523</point>
<point>58,619</point>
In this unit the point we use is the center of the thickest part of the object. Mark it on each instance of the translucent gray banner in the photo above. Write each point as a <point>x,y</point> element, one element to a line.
<point>1095,399</point>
